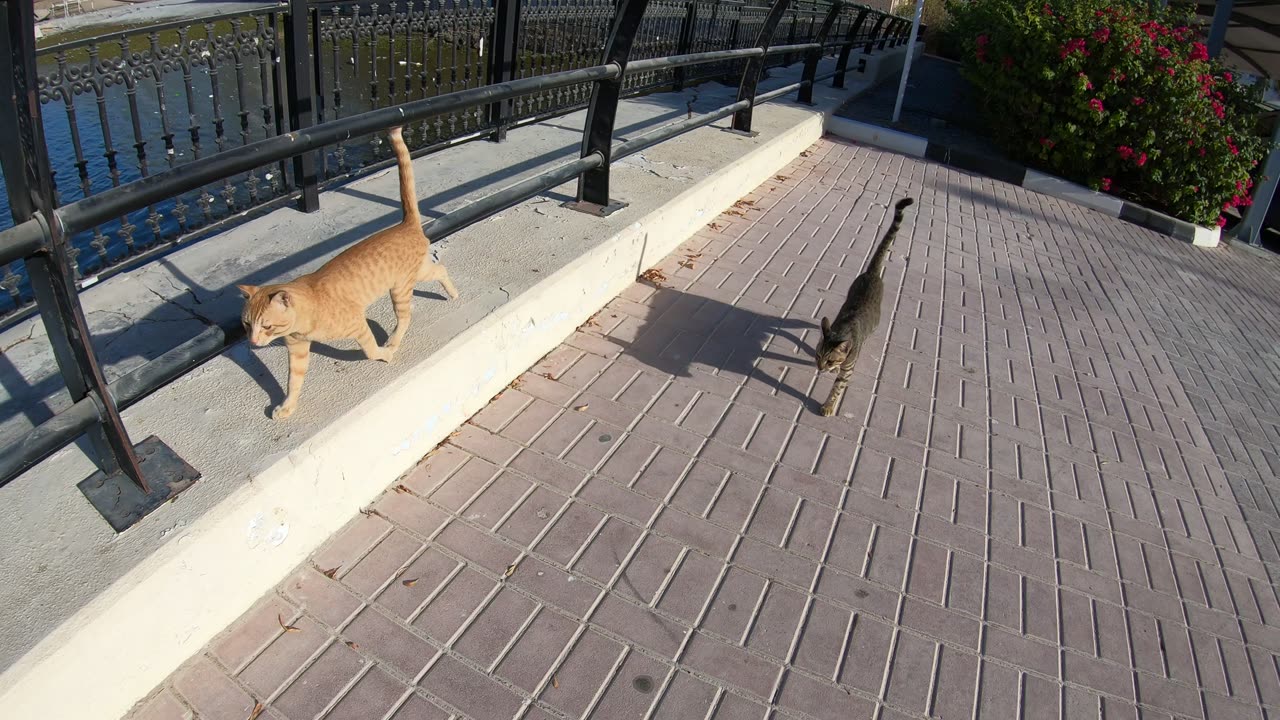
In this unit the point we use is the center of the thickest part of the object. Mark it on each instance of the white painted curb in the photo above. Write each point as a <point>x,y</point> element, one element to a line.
<point>900,142</point>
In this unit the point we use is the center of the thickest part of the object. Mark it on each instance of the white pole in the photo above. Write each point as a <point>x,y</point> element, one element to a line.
<point>906,66</point>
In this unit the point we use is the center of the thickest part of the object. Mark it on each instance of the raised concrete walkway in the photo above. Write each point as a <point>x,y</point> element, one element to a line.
<point>1029,505</point>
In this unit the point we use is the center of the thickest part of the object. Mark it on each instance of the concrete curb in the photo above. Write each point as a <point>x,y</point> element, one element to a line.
<point>1016,174</point>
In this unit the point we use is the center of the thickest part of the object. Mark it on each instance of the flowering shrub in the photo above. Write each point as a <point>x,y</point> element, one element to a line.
<point>1114,96</point>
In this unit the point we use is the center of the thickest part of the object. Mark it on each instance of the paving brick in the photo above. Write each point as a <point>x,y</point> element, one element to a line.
<point>469,691</point>
<point>583,674</point>
<point>344,549</point>
<point>867,655</point>
<point>822,700</point>
<point>253,632</point>
<point>686,696</point>
<point>633,688</point>
<point>956,674</point>
<point>477,547</point>
<point>382,563</point>
<point>409,511</point>
<point>938,622</point>
<point>911,673</point>
<point>607,552</point>
<point>553,586</point>
<point>536,650</point>
<point>284,656</point>
<point>690,587</point>
<point>211,693</point>
<point>733,665</point>
<point>374,695</point>
<point>320,683</point>
<point>382,638</point>
<point>164,706</point>
<point>453,605</point>
<point>640,626</point>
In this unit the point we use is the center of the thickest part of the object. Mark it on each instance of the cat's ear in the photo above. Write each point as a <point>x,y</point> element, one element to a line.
<point>248,290</point>
<point>283,297</point>
<point>826,326</point>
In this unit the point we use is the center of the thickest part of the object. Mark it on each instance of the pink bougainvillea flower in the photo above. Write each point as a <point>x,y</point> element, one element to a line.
<point>1096,105</point>
<point>983,40</point>
<point>1222,221</point>
<point>1228,77</point>
<point>1102,35</point>
<point>1138,100</point>
<point>1106,184</point>
<point>1164,52</point>
<point>1142,159</point>
<point>1047,142</point>
<point>1072,46</point>
<point>1199,51</point>
<point>1125,152</point>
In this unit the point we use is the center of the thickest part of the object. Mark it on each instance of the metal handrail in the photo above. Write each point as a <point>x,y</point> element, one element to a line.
<point>41,239</point>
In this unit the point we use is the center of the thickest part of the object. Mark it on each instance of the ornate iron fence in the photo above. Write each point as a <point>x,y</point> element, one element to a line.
<point>220,117</point>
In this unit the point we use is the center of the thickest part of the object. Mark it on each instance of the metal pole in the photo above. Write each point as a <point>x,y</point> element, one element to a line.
<point>302,93</point>
<point>52,273</point>
<point>812,57</point>
<point>593,186</point>
<point>906,64</point>
<point>1250,227</point>
<point>502,63</point>
<point>751,69</point>
<point>1218,31</point>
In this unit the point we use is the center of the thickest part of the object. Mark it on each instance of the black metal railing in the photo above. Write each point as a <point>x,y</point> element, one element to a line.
<point>282,121</point>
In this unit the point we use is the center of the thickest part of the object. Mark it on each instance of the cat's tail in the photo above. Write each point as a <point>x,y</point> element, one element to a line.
<point>408,194</point>
<point>881,255</point>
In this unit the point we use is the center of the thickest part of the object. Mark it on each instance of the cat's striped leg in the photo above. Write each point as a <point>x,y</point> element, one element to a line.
<point>435,271</point>
<point>299,360</point>
<point>364,336</point>
<point>837,392</point>
<point>402,301</point>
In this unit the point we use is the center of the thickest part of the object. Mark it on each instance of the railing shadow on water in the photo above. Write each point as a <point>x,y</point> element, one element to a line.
<point>634,57</point>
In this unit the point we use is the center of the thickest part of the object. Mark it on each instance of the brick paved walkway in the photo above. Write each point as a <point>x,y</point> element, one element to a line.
<point>1024,509</point>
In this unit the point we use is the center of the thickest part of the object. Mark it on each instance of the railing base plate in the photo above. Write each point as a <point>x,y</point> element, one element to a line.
<point>741,133</point>
<point>122,502</point>
<point>591,208</point>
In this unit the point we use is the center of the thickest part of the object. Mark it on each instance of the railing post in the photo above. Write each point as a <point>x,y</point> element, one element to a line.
<point>593,186</point>
<point>502,62</point>
<point>53,279</point>
<point>889,30</point>
<point>688,30</point>
<point>812,57</point>
<point>302,93</point>
<point>875,33</point>
<point>751,69</point>
<point>789,58</point>
<point>851,37</point>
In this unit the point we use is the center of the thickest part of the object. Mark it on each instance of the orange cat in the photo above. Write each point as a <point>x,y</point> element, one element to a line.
<point>329,303</point>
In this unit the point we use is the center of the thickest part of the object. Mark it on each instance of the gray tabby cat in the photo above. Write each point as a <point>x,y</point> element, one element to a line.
<point>858,317</point>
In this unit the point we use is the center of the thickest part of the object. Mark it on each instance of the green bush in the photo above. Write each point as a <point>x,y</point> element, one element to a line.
<point>1114,96</point>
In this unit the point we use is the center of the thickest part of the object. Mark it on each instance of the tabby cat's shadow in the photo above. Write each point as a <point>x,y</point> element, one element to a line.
<point>686,332</point>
